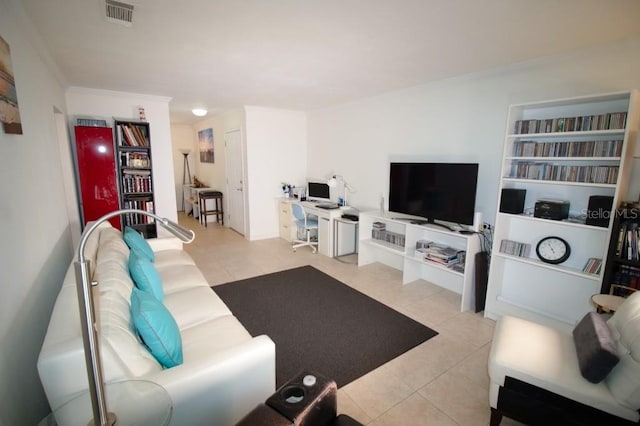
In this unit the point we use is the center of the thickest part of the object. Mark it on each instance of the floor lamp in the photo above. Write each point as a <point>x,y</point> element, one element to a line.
<point>186,172</point>
<point>87,313</point>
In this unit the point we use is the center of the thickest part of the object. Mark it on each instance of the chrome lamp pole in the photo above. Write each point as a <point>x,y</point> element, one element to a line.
<point>87,313</point>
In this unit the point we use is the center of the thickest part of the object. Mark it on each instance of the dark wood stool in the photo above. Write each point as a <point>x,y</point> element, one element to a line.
<point>217,206</point>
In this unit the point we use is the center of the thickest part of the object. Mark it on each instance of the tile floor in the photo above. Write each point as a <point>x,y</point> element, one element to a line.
<point>443,381</point>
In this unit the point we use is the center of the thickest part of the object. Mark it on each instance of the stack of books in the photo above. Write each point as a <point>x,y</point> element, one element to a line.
<point>444,255</point>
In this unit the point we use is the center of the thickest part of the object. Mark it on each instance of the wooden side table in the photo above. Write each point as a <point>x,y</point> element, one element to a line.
<point>606,303</point>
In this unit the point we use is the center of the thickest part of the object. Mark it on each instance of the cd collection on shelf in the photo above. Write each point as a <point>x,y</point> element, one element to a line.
<point>563,173</point>
<point>593,266</point>
<point>609,121</point>
<point>610,148</point>
<point>379,232</point>
<point>515,248</point>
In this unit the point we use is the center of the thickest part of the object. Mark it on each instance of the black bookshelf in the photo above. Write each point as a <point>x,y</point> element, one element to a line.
<point>623,260</point>
<point>135,177</point>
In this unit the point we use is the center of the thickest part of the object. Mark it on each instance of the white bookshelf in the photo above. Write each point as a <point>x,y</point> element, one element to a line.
<point>559,295</point>
<point>403,258</point>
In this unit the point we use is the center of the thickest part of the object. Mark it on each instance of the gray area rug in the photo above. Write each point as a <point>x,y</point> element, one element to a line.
<point>321,324</point>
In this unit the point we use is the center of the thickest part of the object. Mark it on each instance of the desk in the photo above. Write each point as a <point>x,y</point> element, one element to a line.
<point>328,244</point>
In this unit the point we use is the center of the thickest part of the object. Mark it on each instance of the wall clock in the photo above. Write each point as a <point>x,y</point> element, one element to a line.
<point>553,250</point>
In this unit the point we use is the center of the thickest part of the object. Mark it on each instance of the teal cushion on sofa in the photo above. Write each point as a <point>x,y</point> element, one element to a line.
<point>157,328</point>
<point>137,243</point>
<point>145,275</point>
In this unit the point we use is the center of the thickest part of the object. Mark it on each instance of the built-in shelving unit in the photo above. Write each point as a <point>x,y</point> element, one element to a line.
<point>399,252</point>
<point>622,270</point>
<point>570,150</point>
<point>135,177</point>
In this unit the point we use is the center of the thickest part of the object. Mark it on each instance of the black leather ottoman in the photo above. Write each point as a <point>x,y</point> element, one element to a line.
<point>309,399</point>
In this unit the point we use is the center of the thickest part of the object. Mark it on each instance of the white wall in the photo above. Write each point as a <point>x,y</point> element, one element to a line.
<point>36,245</point>
<point>109,104</point>
<point>460,119</point>
<point>276,153</point>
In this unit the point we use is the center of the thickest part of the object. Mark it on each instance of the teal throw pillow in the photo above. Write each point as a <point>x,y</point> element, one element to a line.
<point>157,328</point>
<point>137,243</point>
<point>145,275</point>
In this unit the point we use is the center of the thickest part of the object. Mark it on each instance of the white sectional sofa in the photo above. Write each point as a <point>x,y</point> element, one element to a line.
<point>225,372</point>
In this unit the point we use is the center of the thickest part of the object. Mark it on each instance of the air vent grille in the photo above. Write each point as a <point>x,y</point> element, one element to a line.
<point>119,13</point>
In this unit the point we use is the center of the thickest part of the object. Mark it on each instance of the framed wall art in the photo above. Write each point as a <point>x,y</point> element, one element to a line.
<point>205,143</point>
<point>9,112</point>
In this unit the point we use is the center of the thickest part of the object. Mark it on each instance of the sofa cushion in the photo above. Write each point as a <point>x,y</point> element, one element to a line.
<point>122,349</point>
<point>157,328</point>
<point>595,346</point>
<point>624,379</point>
<point>145,276</point>
<point>136,242</point>
<point>181,277</point>
<point>195,305</point>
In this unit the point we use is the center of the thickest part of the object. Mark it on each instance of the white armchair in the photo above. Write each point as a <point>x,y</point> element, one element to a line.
<point>537,375</point>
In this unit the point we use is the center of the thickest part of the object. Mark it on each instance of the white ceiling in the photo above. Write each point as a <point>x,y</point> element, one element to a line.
<point>306,54</point>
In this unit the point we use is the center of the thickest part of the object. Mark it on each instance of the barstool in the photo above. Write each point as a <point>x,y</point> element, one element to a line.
<point>217,206</point>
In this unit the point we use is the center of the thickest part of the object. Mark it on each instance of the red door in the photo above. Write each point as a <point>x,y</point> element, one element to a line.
<point>97,173</point>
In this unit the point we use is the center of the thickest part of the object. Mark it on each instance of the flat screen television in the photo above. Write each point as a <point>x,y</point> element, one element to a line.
<point>434,191</point>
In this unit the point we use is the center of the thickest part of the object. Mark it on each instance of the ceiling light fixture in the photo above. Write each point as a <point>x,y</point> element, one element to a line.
<point>199,112</point>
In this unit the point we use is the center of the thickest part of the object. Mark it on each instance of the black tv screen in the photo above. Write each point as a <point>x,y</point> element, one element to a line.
<point>434,191</point>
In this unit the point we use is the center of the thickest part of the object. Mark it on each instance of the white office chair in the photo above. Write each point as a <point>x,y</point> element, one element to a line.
<point>303,222</point>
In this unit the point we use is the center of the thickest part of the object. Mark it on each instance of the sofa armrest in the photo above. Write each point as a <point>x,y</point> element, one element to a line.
<point>222,388</point>
<point>165,243</point>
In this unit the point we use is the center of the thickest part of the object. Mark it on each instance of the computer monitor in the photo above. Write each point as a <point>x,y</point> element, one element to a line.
<point>317,191</point>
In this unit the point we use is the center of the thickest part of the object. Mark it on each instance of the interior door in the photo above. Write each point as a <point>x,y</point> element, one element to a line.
<point>235,180</point>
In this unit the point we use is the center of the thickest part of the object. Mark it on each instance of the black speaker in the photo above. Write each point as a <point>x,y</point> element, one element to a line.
<point>512,200</point>
<point>599,210</point>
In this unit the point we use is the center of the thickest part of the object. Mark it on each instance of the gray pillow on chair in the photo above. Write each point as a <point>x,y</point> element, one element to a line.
<point>596,348</point>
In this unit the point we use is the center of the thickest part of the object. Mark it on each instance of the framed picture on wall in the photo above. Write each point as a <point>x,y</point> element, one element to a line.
<point>9,112</point>
<point>205,143</point>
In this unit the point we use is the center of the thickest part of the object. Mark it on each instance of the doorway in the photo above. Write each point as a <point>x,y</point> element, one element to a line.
<point>235,181</point>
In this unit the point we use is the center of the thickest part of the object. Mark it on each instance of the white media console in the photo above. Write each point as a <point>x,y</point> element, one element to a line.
<point>402,256</point>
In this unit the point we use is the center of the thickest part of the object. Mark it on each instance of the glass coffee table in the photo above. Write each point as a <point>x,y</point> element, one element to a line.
<point>134,402</point>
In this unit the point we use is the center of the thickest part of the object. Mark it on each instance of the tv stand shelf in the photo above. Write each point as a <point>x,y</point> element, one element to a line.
<point>404,258</point>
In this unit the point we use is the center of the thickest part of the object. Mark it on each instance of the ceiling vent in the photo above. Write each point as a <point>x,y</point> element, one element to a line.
<point>119,13</point>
